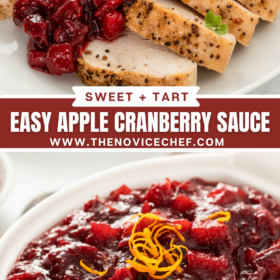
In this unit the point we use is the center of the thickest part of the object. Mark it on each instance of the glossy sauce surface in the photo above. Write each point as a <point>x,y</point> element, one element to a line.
<point>245,247</point>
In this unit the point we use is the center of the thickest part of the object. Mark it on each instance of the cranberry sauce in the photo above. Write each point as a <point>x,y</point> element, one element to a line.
<point>60,29</point>
<point>245,247</point>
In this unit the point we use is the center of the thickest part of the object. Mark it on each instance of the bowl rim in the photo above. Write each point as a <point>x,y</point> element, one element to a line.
<point>9,175</point>
<point>40,217</point>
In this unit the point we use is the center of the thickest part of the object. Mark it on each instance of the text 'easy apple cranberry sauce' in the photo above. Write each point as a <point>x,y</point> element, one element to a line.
<point>190,230</point>
<point>60,29</point>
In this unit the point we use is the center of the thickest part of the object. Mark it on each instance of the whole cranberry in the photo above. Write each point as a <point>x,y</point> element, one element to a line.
<point>37,59</point>
<point>108,6</point>
<point>60,59</point>
<point>37,28</point>
<point>112,25</point>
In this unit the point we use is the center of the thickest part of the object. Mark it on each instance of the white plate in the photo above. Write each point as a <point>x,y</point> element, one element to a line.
<point>248,68</point>
<point>6,176</point>
<point>259,170</point>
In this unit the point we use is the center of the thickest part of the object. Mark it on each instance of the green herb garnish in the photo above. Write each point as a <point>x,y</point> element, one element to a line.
<point>215,22</point>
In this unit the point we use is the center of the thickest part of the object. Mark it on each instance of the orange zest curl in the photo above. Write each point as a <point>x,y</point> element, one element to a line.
<point>147,251</point>
<point>86,266</point>
<point>222,217</point>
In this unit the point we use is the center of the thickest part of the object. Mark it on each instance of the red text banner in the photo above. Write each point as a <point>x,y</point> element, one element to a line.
<point>217,123</point>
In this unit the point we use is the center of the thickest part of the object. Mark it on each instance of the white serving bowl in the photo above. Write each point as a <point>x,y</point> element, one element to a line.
<point>260,170</point>
<point>6,176</point>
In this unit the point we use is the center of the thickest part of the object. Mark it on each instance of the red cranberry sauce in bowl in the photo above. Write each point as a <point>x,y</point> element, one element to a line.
<point>60,29</point>
<point>193,230</point>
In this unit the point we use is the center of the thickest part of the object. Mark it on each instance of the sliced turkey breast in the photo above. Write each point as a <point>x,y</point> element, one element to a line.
<point>6,8</point>
<point>132,60</point>
<point>266,9</point>
<point>176,26</point>
<point>240,21</point>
